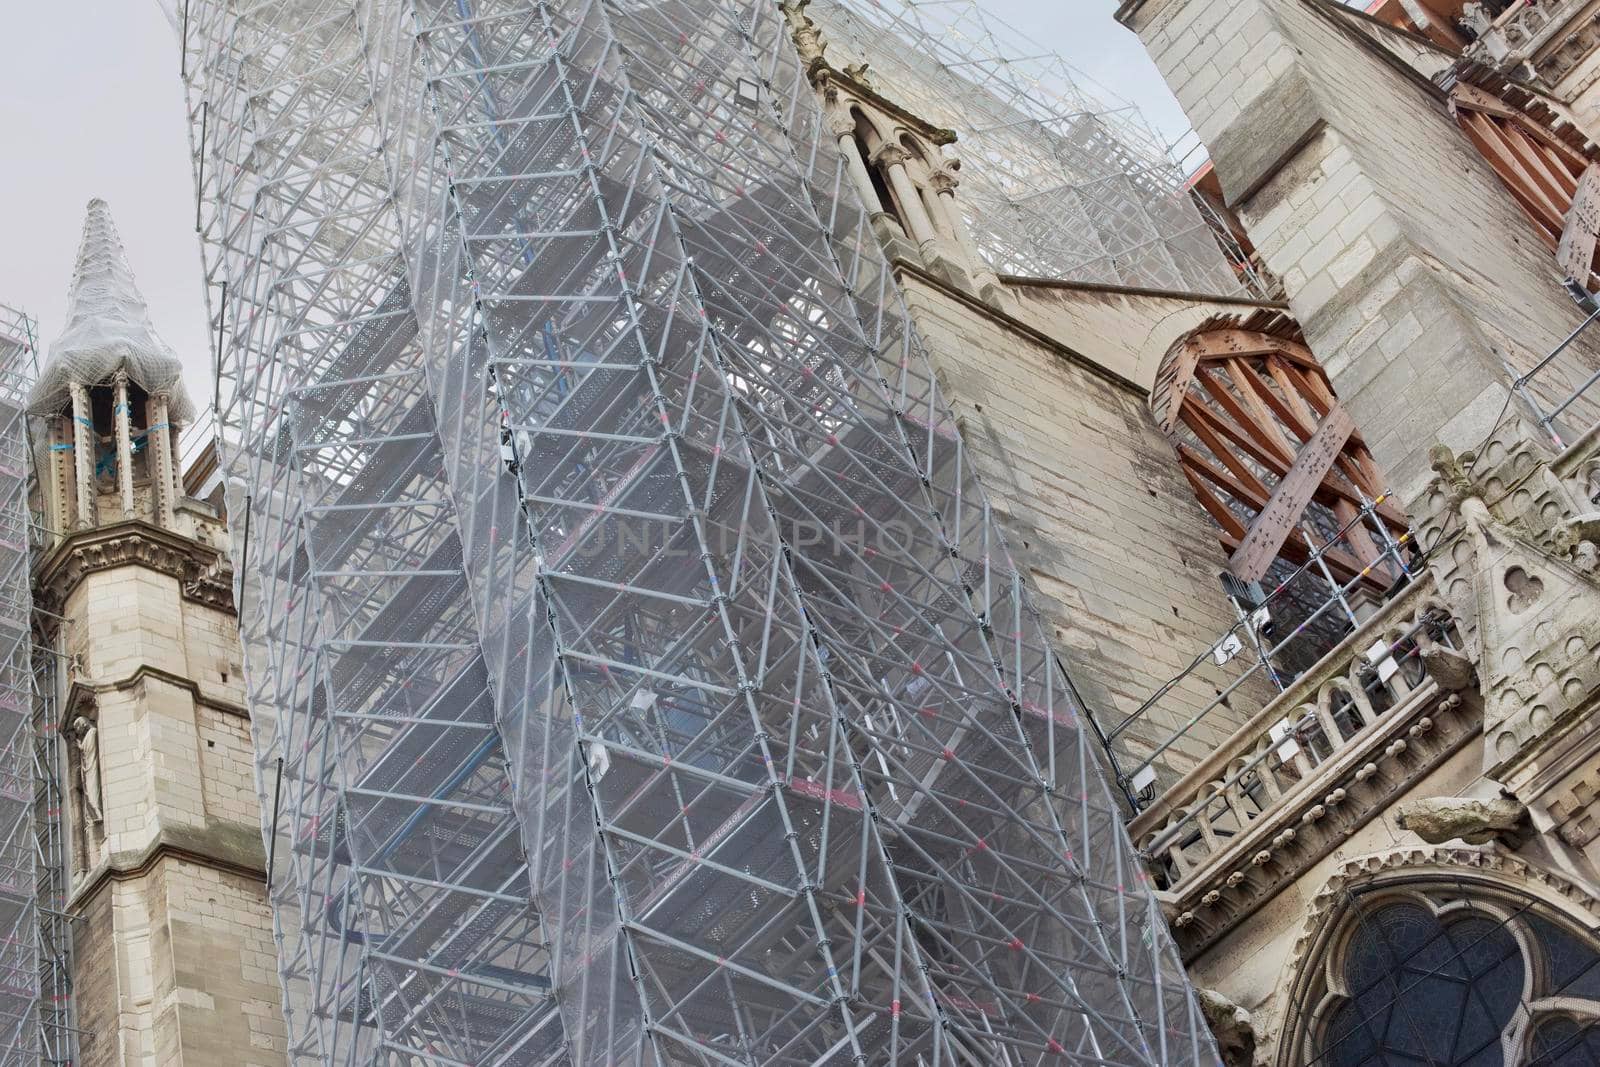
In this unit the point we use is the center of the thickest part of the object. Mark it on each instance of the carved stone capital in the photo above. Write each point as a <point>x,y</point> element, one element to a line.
<point>944,180</point>
<point>889,155</point>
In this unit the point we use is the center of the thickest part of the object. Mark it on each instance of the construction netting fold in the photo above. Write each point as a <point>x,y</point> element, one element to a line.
<point>639,675</point>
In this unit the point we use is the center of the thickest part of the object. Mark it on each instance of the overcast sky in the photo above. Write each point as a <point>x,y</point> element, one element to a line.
<point>91,105</point>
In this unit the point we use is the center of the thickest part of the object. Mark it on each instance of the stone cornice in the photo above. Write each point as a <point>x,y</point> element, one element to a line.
<point>824,76</point>
<point>1025,281</point>
<point>1127,10</point>
<point>203,573</point>
<point>80,687</point>
<point>906,268</point>
<point>126,866</point>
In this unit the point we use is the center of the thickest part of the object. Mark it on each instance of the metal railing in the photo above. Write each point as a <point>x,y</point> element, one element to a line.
<point>1548,420</point>
<point>1274,642</point>
<point>1375,674</point>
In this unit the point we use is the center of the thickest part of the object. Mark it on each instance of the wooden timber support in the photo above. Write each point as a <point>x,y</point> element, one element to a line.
<point>1546,166</point>
<point>1261,438</point>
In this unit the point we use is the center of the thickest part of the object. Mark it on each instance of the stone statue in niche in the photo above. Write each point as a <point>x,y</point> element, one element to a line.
<point>87,738</point>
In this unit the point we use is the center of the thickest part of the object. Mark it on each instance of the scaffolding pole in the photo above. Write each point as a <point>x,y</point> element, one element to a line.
<point>58,1032</point>
<point>650,681</point>
<point>20,909</point>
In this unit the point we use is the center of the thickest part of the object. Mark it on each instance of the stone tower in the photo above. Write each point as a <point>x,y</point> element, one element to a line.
<point>173,951</point>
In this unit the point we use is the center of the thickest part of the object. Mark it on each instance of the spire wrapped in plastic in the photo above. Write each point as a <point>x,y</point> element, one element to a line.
<point>108,328</point>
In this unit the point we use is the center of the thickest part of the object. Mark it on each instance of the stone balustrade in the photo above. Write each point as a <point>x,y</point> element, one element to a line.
<point>1522,31</point>
<point>1522,24</point>
<point>1370,711</point>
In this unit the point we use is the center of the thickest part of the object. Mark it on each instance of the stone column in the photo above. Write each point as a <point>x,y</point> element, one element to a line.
<point>892,158</point>
<point>124,444</point>
<point>59,508</point>
<point>944,187</point>
<point>843,126</point>
<point>83,450</point>
<point>163,477</point>
<point>944,182</point>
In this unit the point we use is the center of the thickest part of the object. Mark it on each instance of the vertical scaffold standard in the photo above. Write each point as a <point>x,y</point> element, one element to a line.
<point>637,672</point>
<point>19,926</point>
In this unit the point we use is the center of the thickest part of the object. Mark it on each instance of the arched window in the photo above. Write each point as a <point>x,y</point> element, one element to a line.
<point>1451,976</point>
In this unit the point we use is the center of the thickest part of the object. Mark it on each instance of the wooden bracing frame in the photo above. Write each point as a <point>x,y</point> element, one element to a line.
<point>1261,438</point>
<point>1555,180</point>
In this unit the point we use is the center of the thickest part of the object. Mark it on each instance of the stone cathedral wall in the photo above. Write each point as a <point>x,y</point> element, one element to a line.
<point>1405,261</point>
<point>1122,559</point>
<point>175,959</point>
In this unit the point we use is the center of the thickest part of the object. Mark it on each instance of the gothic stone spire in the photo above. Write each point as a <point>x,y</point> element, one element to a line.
<point>108,328</point>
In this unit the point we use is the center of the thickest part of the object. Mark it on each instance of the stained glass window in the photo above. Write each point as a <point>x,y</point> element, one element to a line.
<point>1442,982</point>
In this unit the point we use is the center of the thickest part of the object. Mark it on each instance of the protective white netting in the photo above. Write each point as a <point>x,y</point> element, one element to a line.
<point>108,328</point>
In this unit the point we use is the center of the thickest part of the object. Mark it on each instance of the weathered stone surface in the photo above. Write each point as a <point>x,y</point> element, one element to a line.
<point>1471,819</point>
<point>1231,1026</point>
<point>175,961</point>
<point>1075,466</point>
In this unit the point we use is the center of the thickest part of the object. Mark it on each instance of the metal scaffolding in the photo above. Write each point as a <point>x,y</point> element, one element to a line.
<point>58,1034</point>
<point>637,672</point>
<point>1056,182</point>
<point>19,925</point>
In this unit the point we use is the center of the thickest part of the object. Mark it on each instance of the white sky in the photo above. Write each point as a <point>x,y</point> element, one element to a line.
<point>91,105</point>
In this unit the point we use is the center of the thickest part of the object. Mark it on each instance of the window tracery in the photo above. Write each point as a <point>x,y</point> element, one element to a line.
<point>1445,975</point>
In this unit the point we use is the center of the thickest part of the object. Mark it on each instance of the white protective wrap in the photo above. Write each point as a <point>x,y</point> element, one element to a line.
<point>108,327</point>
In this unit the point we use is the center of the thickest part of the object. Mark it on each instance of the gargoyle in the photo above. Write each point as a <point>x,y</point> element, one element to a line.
<point>1231,1026</point>
<point>1471,819</point>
